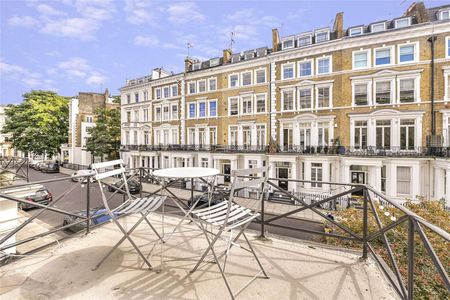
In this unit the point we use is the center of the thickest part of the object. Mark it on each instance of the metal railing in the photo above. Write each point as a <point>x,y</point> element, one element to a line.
<point>75,166</point>
<point>366,198</point>
<point>16,167</point>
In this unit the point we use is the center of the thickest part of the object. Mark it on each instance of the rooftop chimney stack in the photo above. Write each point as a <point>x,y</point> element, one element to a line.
<point>188,64</point>
<point>227,56</point>
<point>417,9</point>
<point>338,26</point>
<point>275,40</point>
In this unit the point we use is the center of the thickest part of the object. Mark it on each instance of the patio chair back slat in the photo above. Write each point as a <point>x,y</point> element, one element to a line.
<point>247,172</point>
<point>107,164</point>
<point>109,173</point>
<point>248,183</point>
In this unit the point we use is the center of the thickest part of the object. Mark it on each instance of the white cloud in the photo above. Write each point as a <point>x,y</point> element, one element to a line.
<point>96,9</point>
<point>48,10</point>
<point>96,79</point>
<point>25,21</point>
<point>147,41</point>
<point>139,11</point>
<point>184,12</point>
<point>75,67</point>
<point>26,77</point>
<point>81,28</point>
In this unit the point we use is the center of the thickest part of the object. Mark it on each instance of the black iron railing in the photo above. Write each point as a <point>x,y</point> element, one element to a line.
<point>13,168</point>
<point>366,201</point>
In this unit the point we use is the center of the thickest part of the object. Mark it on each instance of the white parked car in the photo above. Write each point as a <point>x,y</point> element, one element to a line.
<point>83,173</point>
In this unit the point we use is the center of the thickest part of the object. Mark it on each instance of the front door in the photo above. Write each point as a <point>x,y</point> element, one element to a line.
<point>358,177</point>
<point>226,171</point>
<point>283,173</point>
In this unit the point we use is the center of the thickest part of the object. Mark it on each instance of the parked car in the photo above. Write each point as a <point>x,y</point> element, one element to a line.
<point>133,186</point>
<point>50,168</point>
<point>203,202</point>
<point>40,166</point>
<point>34,193</point>
<point>83,173</point>
<point>98,216</point>
<point>32,164</point>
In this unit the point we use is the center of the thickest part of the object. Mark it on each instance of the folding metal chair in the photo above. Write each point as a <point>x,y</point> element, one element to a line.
<point>228,216</point>
<point>142,206</point>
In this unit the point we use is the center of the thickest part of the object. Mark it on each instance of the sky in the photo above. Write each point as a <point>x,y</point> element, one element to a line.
<point>72,46</point>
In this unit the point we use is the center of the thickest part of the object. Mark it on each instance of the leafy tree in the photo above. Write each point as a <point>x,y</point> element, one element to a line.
<point>38,125</point>
<point>105,136</point>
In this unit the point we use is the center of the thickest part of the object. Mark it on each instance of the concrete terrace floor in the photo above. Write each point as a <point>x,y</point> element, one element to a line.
<point>297,270</point>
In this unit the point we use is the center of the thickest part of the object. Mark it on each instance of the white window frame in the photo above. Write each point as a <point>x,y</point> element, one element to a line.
<point>256,75</point>
<point>229,106</point>
<point>172,89</point>
<point>416,53</point>
<point>158,119</point>
<point>330,58</point>
<point>292,38</point>
<point>198,86</point>
<point>327,31</point>
<point>446,85</point>
<point>302,62</point>
<point>375,24</point>
<point>189,87</point>
<point>441,14</point>
<point>306,87</point>
<point>168,92</point>
<point>446,47</point>
<point>369,91</point>
<point>284,66</point>
<point>256,103</point>
<point>392,57</point>
<point>316,97</point>
<point>162,112</point>
<point>392,98</point>
<point>369,59</point>
<point>293,99</point>
<point>189,111</point>
<point>229,80</point>
<point>361,28</point>
<point>198,109</point>
<point>209,84</point>
<point>416,79</point>
<point>242,78</point>
<point>156,93</point>
<point>172,117</point>
<point>209,110</point>
<point>402,19</point>
<point>241,104</point>
<point>301,36</point>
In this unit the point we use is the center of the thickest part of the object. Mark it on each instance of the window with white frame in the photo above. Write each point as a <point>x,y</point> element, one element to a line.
<point>202,109</point>
<point>158,113</point>
<point>316,175</point>
<point>202,86</point>
<point>323,94</point>
<point>192,111</point>
<point>361,93</point>
<point>128,116</point>
<point>444,15</point>
<point>136,116</point>
<point>305,68</point>
<point>323,65</point>
<point>127,138</point>
<point>305,98</point>
<point>247,104</point>
<point>382,56</point>
<point>260,100</point>
<point>260,76</point>
<point>447,47</point>
<point>145,95</point>
<point>287,44</point>
<point>135,137</point>
<point>356,31</point>
<point>233,106</point>
<point>174,90</point>
<point>204,162</point>
<point>260,135</point>
<point>246,78</point>
<point>406,53</point>
<point>322,36</point>
<point>288,136</point>
<point>378,27</point>
<point>157,137</point>
<point>191,136</point>
<point>246,135</point>
<point>288,71</point>
<point>252,163</point>
<point>403,22</point>
<point>166,112</point>
<point>213,108</point>
<point>158,93</point>
<point>166,92</point>
<point>146,137</point>
<point>89,119</point>
<point>192,87</point>
<point>404,180</point>
<point>233,80</point>
<point>233,139</point>
<point>136,97</point>
<point>166,136</point>
<point>323,133</point>
<point>287,97</point>
<point>361,59</point>
<point>360,135</point>
<point>304,40</point>
<point>212,84</point>
<point>383,134</point>
<point>305,134</point>
<point>174,136</point>
<point>407,134</point>
<point>128,99</point>
<point>201,137</point>
<point>145,111</point>
<point>383,92</point>
<point>174,112</point>
<point>406,90</point>
<point>212,135</point>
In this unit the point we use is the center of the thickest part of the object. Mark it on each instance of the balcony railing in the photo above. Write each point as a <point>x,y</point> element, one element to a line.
<point>298,149</point>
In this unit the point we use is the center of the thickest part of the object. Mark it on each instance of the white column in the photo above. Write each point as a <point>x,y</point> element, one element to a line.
<point>375,177</point>
<point>240,137</point>
<point>307,174</point>
<point>439,183</point>
<point>326,175</point>
<point>391,180</point>
<point>233,164</point>
<point>293,184</point>
<point>253,141</point>
<point>415,181</point>
<point>447,187</point>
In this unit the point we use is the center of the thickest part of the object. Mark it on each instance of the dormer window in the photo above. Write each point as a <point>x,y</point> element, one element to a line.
<point>444,15</point>
<point>287,44</point>
<point>214,62</point>
<point>304,40</point>
<point>249,55</point>
<point>403,22</point>
<point>356,31</point>
<point>235,58</point>
<point>322,36</point>
<point>378,27</point>
<point>196,66</point>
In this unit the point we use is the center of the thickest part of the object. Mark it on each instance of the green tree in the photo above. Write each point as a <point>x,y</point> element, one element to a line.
<point>38,125</point>
<point>105,135</point>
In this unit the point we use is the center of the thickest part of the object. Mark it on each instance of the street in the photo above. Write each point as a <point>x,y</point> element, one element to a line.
<point>75,200</point>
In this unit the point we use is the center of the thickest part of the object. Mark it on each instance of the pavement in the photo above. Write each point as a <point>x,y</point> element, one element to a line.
<point>297,269</point>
